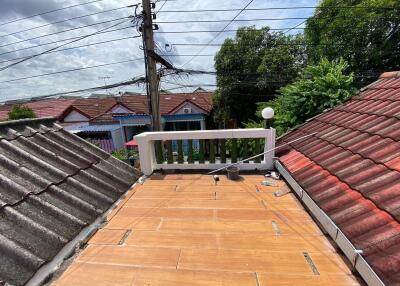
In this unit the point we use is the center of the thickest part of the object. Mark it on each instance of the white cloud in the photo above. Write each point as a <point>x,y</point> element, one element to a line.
<point>119,50</point>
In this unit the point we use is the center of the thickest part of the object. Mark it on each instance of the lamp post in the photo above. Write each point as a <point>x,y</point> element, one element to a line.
<point>267,113</point>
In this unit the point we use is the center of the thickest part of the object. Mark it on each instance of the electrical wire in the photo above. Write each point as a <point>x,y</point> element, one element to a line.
<point>48,12</point>
<point>64,31</point>
<point>66,20</point>
<point>62,40</point>
<point>277,8</point>
<point>221,31</point>
<point>70,70</point>
<point>135,80</point>
<point>52,49</point>
<point>255,20</point>
<point>76,47</point>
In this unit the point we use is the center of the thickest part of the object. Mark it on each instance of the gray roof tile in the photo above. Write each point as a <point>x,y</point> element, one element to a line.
<point>52,185</point>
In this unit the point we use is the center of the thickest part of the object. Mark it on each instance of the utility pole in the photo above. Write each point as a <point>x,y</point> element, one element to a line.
<point>151,65</point>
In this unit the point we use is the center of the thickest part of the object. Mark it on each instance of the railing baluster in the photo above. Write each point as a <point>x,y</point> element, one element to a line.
<point>245,152</point>
<point>212,151</point>
<point>170,156</point>
<point>180,151</point>
<point>257,150</point>
<point>234,151</point>
<point>190,152</point>
<point>223,150</point>
<point>159,152</point>
<point>201,151</point>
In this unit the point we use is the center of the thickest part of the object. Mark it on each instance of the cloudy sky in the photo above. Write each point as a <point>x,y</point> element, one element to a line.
<point>16,44</point>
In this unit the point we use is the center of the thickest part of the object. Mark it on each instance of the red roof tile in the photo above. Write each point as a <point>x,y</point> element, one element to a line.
<point>351,169</point>
<point>43,108</point>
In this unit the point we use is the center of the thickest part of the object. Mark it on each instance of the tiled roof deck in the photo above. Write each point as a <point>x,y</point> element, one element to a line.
<point>184,230</point>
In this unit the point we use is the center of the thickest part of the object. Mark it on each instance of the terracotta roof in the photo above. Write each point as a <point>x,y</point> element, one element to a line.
<point>42,108</point>
<point>169,102</point>
<point>93,107</point>
<point>96,108</point>
<point>351,168</point>
<point>52,185</point>
<point>185,230</point>
<point>139,104</point>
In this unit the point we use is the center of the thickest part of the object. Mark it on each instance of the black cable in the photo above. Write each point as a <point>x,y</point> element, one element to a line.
<point>255,20</point>
<point>52,49</point>
<point>66,20</point>
<point>278,8</point>
<point>124,83</point>
<point>48,12</point>
<point>63,40</point>
<point>63,31</point>
<point>221,31</point>
<point>72,48</point>
<point>218,31</point>
<point>70,70</point>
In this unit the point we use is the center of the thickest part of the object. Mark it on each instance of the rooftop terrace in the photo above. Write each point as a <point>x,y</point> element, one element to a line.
<point>185,230</point>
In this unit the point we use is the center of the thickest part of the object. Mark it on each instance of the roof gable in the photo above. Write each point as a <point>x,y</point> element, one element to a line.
<point>351,168</point>
<point>75,116</point>
<point>188,107</point>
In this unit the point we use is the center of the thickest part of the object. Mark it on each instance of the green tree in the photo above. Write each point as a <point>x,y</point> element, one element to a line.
<point>251,67</point>
<point>21,112</point>
<point>367,38</point>
<point>318,87</point>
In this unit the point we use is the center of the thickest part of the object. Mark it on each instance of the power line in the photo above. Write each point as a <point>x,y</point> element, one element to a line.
<point>66,20</point>
<point>64,31</point>
<point>255,20</point>
<point>70,70</point>
<point>48,12</point>
<point>52,49</point>
<point>135,80</point>
<point>277,8</point>
<point>73,48</point>
<point>62,40</point>
<point>220,32</point>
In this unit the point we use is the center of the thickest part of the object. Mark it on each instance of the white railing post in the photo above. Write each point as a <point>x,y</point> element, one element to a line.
<point>269,145</point>
<point>146,153</point>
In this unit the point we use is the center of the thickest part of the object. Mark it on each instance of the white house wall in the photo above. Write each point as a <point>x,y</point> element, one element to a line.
<point>75,116</point>
<point>195,109</point>
<point>119,109</point>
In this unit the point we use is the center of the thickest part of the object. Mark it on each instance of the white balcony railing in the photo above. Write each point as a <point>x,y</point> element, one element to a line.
<point>205,149</point>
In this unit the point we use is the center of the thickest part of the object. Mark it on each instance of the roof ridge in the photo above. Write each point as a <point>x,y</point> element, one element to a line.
<point>27,122</point>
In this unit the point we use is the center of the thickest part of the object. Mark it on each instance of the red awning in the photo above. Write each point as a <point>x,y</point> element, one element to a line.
<point>131,143</point>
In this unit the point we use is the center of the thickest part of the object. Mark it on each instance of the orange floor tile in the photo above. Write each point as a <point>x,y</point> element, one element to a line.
<point>185,230</point>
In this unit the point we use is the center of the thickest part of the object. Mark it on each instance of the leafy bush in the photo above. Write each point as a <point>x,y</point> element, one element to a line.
<point>21,112</point>
<point>125,154</point>
<point>318,87</point>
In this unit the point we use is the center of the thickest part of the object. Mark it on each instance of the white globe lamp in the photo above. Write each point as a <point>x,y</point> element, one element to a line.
<point>267,113</point>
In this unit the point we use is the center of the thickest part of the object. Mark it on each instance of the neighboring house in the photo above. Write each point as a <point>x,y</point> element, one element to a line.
<point>110,122</point>
<point>351,168</point>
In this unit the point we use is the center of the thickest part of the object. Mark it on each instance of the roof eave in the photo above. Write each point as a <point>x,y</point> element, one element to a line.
<point>328,226</point>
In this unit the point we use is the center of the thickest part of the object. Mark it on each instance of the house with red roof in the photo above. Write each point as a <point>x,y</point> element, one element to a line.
<point>112,121</point>
<point>348,171</point>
